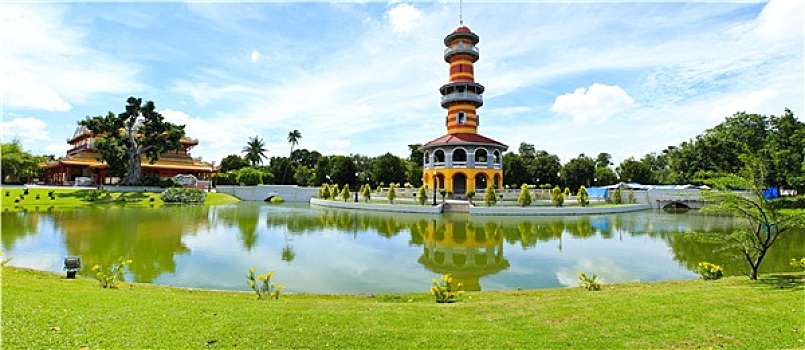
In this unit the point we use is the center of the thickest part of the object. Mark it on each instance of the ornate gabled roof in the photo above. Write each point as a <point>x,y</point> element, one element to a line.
<point>463,139</point>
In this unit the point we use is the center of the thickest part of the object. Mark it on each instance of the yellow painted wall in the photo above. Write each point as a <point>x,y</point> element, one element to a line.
<point>470,173</point>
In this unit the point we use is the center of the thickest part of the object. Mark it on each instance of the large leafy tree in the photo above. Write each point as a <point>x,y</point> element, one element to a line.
<point>578,171</point>
<point>255,151</point>
<point>389,168</point>
<point>604,176</point>
<point>515,172</point>
<point>293,138</point>
<point>128,136</point>
<point>631,170</point>
<point>544,168</point>
<point>786,149</point>
<point>342,171</point>
<point>233,162</point>
<point>764,223</point>
<point>17,163</point>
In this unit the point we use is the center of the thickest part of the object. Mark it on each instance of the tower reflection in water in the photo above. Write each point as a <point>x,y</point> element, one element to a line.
<point>464,251</point>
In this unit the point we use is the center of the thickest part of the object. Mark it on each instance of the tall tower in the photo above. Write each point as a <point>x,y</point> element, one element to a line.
<point>462,159</point>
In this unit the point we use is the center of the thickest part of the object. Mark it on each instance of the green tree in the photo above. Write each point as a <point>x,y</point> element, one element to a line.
<point>303,175</point>
<point>786,148</point>
<point>416,156</point>
<point>616,196</point>
<point>233,162</point>
<point>604,176</point>
<point>345,193</point>
<point>603,160</point>
<point>343,170</point>
<point>544,169</point>
<point>324,192</point>
<point>293,138</point>
<point>514,169</point>
<point>631,170</point>
<point>765,223</point>
<point>366,192</point>
<point>249,176</point>
<point>17,163</point>
<point>583,197</point>
<point>557,197</point>
<point>526,150</point>
<point>490,197</point>
<point>525,196</point>
<point>390,168</point>
<point>128,136</point>
<point>392,193</point>
<point>334,191</point>
<point>422,195</point>
<point>255,151</point>
<point>578,171</point>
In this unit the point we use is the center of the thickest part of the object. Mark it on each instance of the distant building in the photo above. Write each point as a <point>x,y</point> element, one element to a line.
<point>462,159</point>
<point>82,164</point>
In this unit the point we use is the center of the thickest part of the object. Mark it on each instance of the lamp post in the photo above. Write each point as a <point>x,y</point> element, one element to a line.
<point>434,187</point>
<point>356,190</point>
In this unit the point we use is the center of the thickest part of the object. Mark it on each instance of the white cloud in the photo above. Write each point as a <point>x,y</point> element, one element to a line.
<point>254,56</point>
<point>595,104</point>
<point>338,143</point>
<point>26,129</point>
<point>48,66</point>
<point>759,101</point>
<point>780,20</point>
<point>219,137</point>
<point>57,149</point>
<point>403,17</point>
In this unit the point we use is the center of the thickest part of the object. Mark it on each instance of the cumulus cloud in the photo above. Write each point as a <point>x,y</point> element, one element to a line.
<point>48,65</point>
<point>403,17</point>
<point>211,135</point>
<point>594,104</point>
<point>26,129</point>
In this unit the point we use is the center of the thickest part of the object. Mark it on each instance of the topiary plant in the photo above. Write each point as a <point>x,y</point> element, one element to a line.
<point>525,196</point>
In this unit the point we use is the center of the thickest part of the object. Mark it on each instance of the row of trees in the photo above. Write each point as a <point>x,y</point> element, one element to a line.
<point>19,165</point>
<point>779,141</point>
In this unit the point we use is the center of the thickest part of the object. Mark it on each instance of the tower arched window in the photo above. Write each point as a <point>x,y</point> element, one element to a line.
<point>438,156</point>
<point>427,157</point>
<point>496,157</point>
<point>480,155</point>
<point>459,155</point>
<point>461,117</point>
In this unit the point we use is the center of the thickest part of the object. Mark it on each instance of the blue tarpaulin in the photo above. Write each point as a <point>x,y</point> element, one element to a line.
<point>771,193</point>
<point>597,192</point>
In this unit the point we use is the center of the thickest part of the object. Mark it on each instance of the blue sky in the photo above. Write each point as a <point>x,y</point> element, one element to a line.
<point>363,77</point>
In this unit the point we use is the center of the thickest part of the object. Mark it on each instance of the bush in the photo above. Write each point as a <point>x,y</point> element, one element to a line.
<point>345,193</point>
<point>490,197</point>
<point>277,200</point>
<point>557,197</point>
<point>268,177</point>
<point>366,192</point>
<point>616,196</point>
<point>228,178</point>
<point>583,197</point>
<point>443,290</point>
<point>422,195</point>
<point>249,177</point>
<point>169,182</point>
<point>324,192</point>
<point>525,196</point>
<point>150,180</point>
<point>183,195</point>
<point>263,286</point>
<point>470,194</point>
<point>392,193</point>
<point>708,271</point>
<point>334,191</point>
<point>115,277</point>
<point>589,283</point>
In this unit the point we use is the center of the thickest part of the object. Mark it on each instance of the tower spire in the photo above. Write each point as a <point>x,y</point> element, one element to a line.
<point>460,13</point>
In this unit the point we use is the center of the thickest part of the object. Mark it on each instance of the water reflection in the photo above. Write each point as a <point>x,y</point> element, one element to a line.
<point>342,251</point>
<point>464,251</point>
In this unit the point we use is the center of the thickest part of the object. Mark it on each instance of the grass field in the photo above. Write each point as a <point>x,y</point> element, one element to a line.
<point>44,310</point>
<point>66,198</point>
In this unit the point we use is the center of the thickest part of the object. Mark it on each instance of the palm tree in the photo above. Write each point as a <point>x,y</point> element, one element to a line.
<point>293,139</point>
<point>255,153</point>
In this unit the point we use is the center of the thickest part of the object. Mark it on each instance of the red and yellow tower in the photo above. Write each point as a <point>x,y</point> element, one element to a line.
<point>463,159</point>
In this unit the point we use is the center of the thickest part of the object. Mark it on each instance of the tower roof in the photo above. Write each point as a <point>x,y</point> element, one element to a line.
<point>461,31</point>
<point>463,139</point>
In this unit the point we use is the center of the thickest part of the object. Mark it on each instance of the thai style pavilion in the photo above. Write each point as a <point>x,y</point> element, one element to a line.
<point>82,164</point>
<point>462,159</point>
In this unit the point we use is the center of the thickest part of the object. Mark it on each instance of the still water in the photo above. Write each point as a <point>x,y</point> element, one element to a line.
<point>315,250</point>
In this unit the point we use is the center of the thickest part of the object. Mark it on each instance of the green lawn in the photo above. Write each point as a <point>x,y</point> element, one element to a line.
<point>44,310</point>
<point>66,198</point>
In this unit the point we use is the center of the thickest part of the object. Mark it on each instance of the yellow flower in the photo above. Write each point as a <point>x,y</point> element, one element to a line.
<point>96,267</point>
<point>252,270</point>
<point>270,274</point>
<point>128,261</point>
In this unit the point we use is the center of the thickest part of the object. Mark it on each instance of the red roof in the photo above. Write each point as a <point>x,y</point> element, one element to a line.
<point>463,138</point>
<point>462,29</point>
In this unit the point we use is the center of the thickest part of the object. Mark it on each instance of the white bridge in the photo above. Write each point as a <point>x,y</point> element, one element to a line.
<point>290,193</point>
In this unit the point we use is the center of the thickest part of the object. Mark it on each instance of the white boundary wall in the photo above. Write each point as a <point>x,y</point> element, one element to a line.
<point>259,193</point>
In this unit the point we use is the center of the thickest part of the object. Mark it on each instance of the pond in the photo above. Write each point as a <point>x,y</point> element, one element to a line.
<point>331,251</point>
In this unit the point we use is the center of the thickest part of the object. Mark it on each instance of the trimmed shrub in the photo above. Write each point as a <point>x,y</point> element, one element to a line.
<point>583,197</point>
<point>249,177</point>
<point>525,196</point>
<point>183,195</point>
<point>490,197</point>
<point>422,195</point>
<point>557,197</point>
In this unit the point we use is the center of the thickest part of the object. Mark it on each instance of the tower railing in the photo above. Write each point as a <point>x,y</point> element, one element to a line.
<point>469,50</point>
<point>462,96</point>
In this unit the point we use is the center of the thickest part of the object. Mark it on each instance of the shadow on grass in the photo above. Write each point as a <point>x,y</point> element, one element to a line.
<point>794,281</point>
